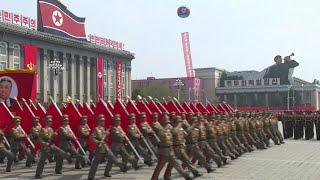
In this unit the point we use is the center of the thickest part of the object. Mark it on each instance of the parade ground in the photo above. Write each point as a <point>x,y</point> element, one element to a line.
<point>296,159</point>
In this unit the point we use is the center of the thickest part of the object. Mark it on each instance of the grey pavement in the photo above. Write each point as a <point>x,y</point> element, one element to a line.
<point>296,160</point>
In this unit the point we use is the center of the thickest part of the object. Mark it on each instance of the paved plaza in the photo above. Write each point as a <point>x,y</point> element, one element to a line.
<point>297,159</point>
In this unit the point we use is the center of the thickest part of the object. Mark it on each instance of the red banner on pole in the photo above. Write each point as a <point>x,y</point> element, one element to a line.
<point>30,62</point>
<point>187,54</point>
<point>119,79</point>
<point>100,75</point>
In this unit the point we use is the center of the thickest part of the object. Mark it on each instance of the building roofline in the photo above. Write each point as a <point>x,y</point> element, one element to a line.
<point>208,68</point>
<point>29,33</point>
<point>161,79</point>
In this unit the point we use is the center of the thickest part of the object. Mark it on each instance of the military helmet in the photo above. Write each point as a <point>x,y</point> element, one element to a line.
<point>48,118</point>
<point>16,119</point>
<point>64,117</point>
<point>116,117</point>
<point>100,117</point>
<point>35,119</point>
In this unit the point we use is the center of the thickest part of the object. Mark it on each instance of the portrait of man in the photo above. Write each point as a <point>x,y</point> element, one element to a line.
<point>5,91</point>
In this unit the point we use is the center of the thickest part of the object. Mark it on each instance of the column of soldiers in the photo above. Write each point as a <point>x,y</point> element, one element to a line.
<point>185,142</point>
<point>300,124</point>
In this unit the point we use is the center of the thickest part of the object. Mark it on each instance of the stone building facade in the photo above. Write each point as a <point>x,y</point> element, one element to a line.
<point>78,79</point>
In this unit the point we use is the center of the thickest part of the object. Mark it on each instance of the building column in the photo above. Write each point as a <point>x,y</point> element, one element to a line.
<point>44,76</point>
<point>64,78</point>
<point>266,96</point>
<point>74,77</point>
<point>89,80</point>
<point>235,100</point>
<point>128,72</point>
<point>81,80</point>
<point>314,99</point>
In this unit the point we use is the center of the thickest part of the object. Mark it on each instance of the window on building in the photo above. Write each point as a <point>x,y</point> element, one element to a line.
<point>16,56</point>
<point>3,55</point>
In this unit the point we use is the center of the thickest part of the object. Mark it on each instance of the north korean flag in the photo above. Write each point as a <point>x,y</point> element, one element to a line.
<point>55,18</point>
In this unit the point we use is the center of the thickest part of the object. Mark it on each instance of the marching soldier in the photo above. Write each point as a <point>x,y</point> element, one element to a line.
<point>156,126</point>
<point>221,139</point>
<point>234,136</point>
<point>309,126</point>
<point>166,154</point>
<point>178,136</point>
<point>66,144</point>
<point>135,137</point>
<point>241,135</point>
<point>267,128</point>
<point>35,130</point>
<point>118,145</point>
<point>192,143</point>
<point>298,126</point>
<point>5,152</point>
<point>289,124</point>
<point>203,144</point>
<point>84,132</point>
<point>47,138</point>
<point>99,137</point>
<point>18,138</point>
<point>275,129</point>
<point>147,132</point>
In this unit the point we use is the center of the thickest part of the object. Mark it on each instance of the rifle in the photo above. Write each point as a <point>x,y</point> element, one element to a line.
<point>145,141</point>
<point>131,145</point>
<point>78,143</point>
<point>7,142</point>
<point>29,140</point>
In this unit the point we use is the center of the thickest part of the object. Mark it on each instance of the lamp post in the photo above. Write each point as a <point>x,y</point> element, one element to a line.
<point>178,83</point>
<point>56,66</point>
<point>288,99</point>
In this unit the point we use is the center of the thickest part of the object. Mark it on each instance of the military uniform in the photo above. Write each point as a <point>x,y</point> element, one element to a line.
<point>18,138</point>
<point>118,145</point>
<point>135,137</point>
<point>148,133</point>
<point>84,132</point>
<point>178,136</point>
<point>99,137</point>
<point>166,155</point>
<point>234,136</point>
<point>240,134</point>
<point>308,127</point>
<point>275,128</point>
<point>222,142</point>
<point>298,126</point>
<point>47,138</point>
<point>192,143</point>
<point>5,152</point>
<point>66,144</point>
<point>268,130</point>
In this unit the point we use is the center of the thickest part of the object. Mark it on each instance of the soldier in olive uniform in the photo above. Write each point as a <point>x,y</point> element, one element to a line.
<point>234,136</point>
<point>5,152</point>
<point>192,144</point>
<point>148,133</point>
<point>317,124</point>
<point>84,132</point>
<point>156,126</point>
<point>267,128</point>
<point>135,137</point>
<point>35,130</point>
<point>298,126</point>
<point>240,134</point>
<point>275,128</point>
<point>47,138</point>
<point>18,138</point>
<point>221,139</point>
<point>166,153</point>
<point>203,144</point>
<point>66,144</point>
<point>119,139</point>
<point>309,126</point>
<point>178,136</point>
<point>99,137</point>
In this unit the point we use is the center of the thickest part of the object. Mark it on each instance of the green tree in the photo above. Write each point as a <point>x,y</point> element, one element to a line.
<point>158,91</point>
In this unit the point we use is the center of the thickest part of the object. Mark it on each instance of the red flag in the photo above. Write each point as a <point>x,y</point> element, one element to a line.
<point>74,117</point>
<point>132,108</point>
<point>56,114</point>
<point>86,110</point>
<point>211,109</point>
<point>33,107</point>
<point>194,108</point>
<point>93,106</point>
<point>110,106</point>
<point>41,112</point>
<point>179,106</point>
<point>221,108</point>
<point>144,108</point>
<point>153,107</point>
<point>162,107</point>
<point>187,107</point>
<point>172,107</point>
<point>102,108</point>
<point>6,118</point>
<point>100,76</point>
<point>55,18</point>
<point>26,117</point>
<point>201,108</point>
<point>121,110</point>
<point>30,62</point>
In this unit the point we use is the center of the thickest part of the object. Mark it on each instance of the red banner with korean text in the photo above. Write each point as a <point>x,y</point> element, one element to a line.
<point>16,83</point>
<point>100,76</point>
<point>119,79</point>
<point>30,63</point>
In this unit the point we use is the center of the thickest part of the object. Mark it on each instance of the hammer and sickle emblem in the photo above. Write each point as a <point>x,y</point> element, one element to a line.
<point>31,66</point>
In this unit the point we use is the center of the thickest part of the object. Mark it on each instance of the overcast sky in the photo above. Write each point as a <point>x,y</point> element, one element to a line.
<point>228,34</point>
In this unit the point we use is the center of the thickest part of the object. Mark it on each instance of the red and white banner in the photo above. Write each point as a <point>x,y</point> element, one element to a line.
<point>58,20</point>
<point>105,42</point>
<point>6,16</point>
<point>119,79</point>
<point>100,76</point>
<point>17,19</point>
<point>187,54</point>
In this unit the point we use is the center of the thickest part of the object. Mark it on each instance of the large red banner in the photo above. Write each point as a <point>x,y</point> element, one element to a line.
<point>100,76</point>
<point>30,62</point>
<point>16,84</point>
<point>187,54</point>
<point>119,79</point>
<point>55,18</point>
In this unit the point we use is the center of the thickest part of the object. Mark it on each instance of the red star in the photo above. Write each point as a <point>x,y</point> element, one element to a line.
<point>58,18</point>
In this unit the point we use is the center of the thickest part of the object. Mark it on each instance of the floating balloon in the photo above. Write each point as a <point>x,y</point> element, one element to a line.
<point>183,12</point>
